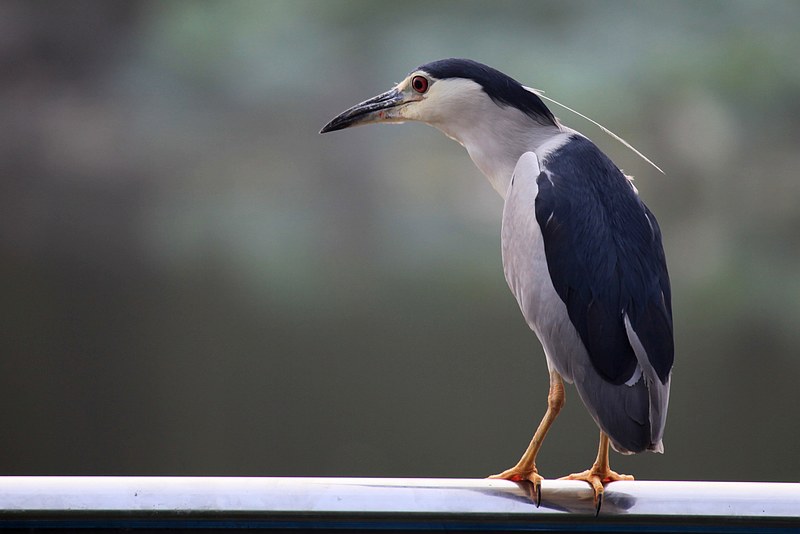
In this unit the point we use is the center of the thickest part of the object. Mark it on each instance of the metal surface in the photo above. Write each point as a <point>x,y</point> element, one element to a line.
<point>272,502</point>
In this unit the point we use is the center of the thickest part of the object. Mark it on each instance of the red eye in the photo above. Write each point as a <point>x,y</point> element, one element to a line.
<point>420,84</point>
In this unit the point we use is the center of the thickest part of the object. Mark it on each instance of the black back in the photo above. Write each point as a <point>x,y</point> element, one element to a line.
<point>606,260</point>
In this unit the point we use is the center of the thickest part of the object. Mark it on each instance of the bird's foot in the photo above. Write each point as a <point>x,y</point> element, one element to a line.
<point>597,477</point>
<point>517,474</point>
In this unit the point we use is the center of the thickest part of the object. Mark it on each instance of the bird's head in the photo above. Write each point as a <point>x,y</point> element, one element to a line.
<point>450,94</point>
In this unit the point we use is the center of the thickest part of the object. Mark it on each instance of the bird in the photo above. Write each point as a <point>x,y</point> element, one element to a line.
<point>582,253</point>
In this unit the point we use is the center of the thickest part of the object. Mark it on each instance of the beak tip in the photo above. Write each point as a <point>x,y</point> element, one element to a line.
<point>331,127</point>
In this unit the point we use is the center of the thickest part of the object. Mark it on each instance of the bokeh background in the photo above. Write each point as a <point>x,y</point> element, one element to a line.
<point>194,282</point>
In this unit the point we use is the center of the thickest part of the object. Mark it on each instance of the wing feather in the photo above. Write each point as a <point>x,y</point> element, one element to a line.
<point>606,260</point>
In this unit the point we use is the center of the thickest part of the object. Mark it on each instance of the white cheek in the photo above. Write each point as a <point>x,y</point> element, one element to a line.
<point>407,112</point>
<point>429,109</point>
<point>417,111</point>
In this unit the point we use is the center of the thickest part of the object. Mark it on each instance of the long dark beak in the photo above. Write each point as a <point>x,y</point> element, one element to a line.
<point>381,108</point>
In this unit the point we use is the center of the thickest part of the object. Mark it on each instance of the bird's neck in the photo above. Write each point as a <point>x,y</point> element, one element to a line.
<point>495,148</point>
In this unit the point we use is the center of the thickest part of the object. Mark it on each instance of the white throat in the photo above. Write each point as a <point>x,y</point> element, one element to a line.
<point>497,150</point>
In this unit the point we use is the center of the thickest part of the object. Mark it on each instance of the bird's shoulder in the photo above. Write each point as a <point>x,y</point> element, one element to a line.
<point>577,163</point>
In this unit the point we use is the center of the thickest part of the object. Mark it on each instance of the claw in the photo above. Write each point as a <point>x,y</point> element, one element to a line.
<point>518,475</point>
<point>597,478</point>
<point>538,488</point>
<point>598,503</point>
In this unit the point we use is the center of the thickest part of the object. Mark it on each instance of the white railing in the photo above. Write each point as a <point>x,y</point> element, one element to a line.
<point>395,504</point>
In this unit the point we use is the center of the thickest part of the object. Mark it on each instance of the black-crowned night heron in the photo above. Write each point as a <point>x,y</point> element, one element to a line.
<point>581,252</point>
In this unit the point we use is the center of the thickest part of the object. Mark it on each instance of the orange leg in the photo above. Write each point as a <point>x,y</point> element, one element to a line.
<point>600,473</point>
<point>526,467</point>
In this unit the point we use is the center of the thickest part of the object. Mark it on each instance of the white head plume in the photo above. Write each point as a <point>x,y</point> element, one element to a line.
<point>541,94</point>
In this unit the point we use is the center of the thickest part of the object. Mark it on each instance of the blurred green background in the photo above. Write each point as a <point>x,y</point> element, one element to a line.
<point>194,282</point>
